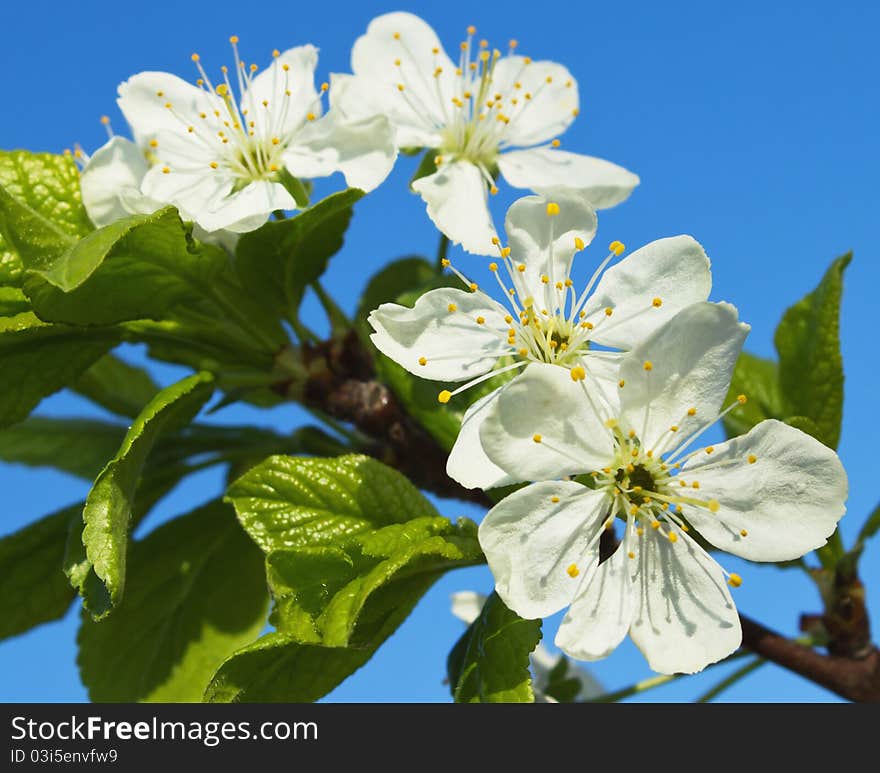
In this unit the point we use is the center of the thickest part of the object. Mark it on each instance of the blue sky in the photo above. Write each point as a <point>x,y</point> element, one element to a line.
<point>753,128</point>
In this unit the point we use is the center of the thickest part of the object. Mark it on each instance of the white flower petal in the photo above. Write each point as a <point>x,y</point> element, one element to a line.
<point>454,345</point>
<point>467,462</point>
<point>691,361</point>
<point>545,403</point>
<point>467,605</point>
<point>420,108</point>
<point>362,150</point>
<point>143,99</point>
<point>284,113</point>
<point>529,230</point>
<point>602,183</point>
<point>193,193</point>
<point>111,180</point>
<point>552,105</point>
<point>600,615</point>
<point>531,542</point>
<point>457,199</point>
<point>247,209</point>
<point>684,617</point>
<point>673,271</point>
<point>788,499</point>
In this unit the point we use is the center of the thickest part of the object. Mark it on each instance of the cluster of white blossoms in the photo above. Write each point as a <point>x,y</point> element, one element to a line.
<point>231,150</point>
<point>602,387</point>
<point>615,384</point>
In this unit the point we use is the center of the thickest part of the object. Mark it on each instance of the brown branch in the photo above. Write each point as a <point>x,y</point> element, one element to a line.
<point>856,679</point>
<point>342,384</point>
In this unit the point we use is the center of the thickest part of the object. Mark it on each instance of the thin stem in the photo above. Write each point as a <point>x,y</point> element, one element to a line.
<point>442,248</point>
<point>339,320</point>
<point>740,673</point>
<point>650,684</point>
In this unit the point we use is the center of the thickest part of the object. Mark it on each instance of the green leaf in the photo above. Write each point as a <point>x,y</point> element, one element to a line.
<point>140,267</point>
<point>117,386</point>
<point>805,424</point>
<point>41,212</point>
<point>33,588</point>
<point>39,359</point>
<point>197,594</point>
<point>13,301</point>
<point>277,262</point>
<point>280,668</point>
<point>364,565</point>
<point>871,526</point>
<point>758,379</point>
<point>810,363</point>
<point>289,502</point>
<point>109,504</point>
<point>494,664</point>
<point>78,446</point>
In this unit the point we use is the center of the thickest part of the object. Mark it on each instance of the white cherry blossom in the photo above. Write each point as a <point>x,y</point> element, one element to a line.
<point>466,335</point>
<point>485,114</point>
<point>228,154</point>
<point>772,494</point>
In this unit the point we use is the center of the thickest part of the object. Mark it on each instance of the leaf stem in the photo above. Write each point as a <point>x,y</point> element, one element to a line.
<point>740,673</point>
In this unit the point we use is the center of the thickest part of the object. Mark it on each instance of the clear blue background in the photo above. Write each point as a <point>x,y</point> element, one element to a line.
<point>754,128</point>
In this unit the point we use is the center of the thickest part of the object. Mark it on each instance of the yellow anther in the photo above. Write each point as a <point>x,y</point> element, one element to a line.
<point>752,458</point>
<point>273,167</point>
<point>397,62</point>
<point>673,537</point>
<point>521,267</point>
<point>471,30</point>
<point>640,531</point>
<point>743,533</point>
<point>682,483</point>
<point>573,571</point>
<point>438,160</point>
<point>692,411</point>
<point>400,87</point>
<point>233,39</point>
<point>473,287</point>
<point>168,105</point>
<point>481,320</point>
<point>634,510</point>
<point>527,60</point>
<point>213,165</point>
<point>714,505</point>
<point>154,143</point>
<point>536,438</point>
<point>165,170</point>
<point>496,241</point>
<point>734,580</point>
<point>445,263</point>
<point>286,68</point>
<point>195,57</point>
<point>484,43</point>
<point>648,365</point>
<point>190,129</point>
<point>554,499</point>
<point>695,484</point>
<point>435,50</point>
<point>552,208</point>
<point>609,311</point>
<point>493,267</point>
<point>505,251</point>
<point>508,319</point>
<point>578,373</point>
<point>512,43</point>
<point>559,285</point>
<point>325,86</point>
<point>578,243</point>
<point>222,90</point>
<point>621,383</point>
<point>522,352</point>
<point>555,143</point>
<point>463,46</point>
<point>657,303</point>
<point>396,36</point>
<point>634,453</point>
<point>276,140</point>
<point>616,247</point>
<point>253,68</point>
<point>568,283</point>
<point>575,112</point>
<point>674,428</point>
<point>160,93</point>
<point>609,524</point>
<point>445,396</point>
<point>549,79</point>
<point>105,120</point>
<point>493,190</point>
<point>544,278</point>
<point>311,117</point>
<point>422,361</point>
<point>655,525</point>
<point>630,468</point>
<point>710,449</point>
<point>611,423</point>
<point>484,56</point>
<point>631,434</point>
<point>275,53</point>
<point>741,399</point>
